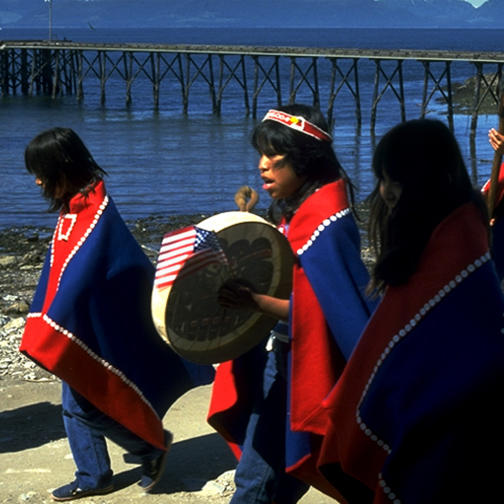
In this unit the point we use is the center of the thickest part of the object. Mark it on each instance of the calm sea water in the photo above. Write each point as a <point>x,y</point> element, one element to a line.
<point>163,162</point>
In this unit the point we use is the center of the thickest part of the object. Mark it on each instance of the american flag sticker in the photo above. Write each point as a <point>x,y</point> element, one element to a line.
<point>196,247</point>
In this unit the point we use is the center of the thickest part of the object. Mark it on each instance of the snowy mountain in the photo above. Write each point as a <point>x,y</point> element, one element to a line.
<point>256,13</point>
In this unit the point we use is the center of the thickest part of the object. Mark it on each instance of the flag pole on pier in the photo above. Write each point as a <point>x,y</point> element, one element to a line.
<point>50,2</point>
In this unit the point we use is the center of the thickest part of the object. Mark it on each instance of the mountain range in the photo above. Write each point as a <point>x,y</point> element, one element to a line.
<point>252,13</point>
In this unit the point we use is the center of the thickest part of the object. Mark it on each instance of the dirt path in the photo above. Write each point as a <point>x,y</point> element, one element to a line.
<point>35,457</point>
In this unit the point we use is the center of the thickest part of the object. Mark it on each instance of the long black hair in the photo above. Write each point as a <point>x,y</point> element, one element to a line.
<point>59,158</point>
<point>424,157</point>
<point>309,157</point>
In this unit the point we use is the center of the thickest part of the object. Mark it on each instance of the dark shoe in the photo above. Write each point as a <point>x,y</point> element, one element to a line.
<point>72,491</point>
<point>152,470</point>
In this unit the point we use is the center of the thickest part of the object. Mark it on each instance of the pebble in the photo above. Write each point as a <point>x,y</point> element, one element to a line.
<point>7,261</point>
<point>222,485</point>
<point>18,307</point>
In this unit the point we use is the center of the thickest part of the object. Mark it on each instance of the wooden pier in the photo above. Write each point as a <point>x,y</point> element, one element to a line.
<point>66,68</point>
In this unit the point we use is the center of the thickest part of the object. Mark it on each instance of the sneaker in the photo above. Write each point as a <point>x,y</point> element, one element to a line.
<point>72,491</point>
<point>152,469</point>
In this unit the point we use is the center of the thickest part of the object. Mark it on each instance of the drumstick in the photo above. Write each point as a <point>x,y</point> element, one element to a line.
<point>246,198</point>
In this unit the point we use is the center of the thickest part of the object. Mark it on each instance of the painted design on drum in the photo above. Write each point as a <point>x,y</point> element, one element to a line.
<point>248,260</point>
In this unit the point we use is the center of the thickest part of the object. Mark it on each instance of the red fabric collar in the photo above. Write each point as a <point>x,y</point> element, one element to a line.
<point>79,202</point>
<point>329,199</point>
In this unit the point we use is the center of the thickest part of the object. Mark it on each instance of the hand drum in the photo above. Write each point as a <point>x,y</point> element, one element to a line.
<point>192,265</point>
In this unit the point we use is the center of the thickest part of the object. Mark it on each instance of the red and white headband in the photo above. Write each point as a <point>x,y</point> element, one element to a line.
<point>297,123</point>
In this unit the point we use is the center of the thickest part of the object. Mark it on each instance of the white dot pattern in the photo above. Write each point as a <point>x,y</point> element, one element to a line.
<point>393,342</point>
<point>54,239</point>
<point>96,357</point>
<point>387,490</point>
<point>83,238</point>
<point>321,228</point>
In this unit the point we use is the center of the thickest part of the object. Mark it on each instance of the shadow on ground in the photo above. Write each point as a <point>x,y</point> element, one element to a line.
<point>193,462</point>
<point>30,426</point>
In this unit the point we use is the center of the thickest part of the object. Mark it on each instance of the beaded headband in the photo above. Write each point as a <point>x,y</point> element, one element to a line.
<point>297,123</point>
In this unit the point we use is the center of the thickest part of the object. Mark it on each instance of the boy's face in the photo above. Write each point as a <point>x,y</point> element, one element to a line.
<point>279,178</point>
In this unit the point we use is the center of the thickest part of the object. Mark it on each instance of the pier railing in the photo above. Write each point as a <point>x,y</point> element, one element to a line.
<point>67,68</point>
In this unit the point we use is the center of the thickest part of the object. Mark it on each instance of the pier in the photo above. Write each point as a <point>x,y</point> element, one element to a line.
<point>57,68</point>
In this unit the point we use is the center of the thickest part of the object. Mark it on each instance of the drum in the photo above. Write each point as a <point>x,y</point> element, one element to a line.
<point>194,262</point>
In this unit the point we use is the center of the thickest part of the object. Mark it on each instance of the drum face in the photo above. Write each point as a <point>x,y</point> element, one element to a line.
<point>195,324</point>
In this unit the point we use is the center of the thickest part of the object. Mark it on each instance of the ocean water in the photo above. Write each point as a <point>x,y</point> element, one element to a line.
<point>162,162</point>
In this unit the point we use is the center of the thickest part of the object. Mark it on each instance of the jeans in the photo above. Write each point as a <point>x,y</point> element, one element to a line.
<point>86,428</point>
<point>260,476</point>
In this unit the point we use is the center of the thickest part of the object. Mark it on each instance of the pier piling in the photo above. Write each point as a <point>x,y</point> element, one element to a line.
<point>261,74</point>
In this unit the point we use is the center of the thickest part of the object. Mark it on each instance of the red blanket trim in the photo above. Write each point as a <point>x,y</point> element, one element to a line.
<point>316,360</point>
<point>87,375</point>
<point>225,404</point>
<point>223,401</point>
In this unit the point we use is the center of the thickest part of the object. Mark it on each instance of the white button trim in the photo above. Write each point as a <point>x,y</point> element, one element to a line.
<point>396,338</point>
<point>82,239</point>
<point>387,490</point>
<point>54,325</point>
<point>321,228</point>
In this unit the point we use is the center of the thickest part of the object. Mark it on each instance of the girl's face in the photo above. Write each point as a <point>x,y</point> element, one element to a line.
<point>59,190</point>
<point>390,191</point>
<point>280,180</point>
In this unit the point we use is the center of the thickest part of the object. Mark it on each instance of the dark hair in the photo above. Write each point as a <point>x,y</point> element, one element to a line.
<point>59,158</point>
<point>424,157</point>
<point>309,157</point>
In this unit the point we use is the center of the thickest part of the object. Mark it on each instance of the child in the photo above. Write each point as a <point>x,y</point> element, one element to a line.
<point>256,396</point>
<point>90,324</point>
<point>415,415</point>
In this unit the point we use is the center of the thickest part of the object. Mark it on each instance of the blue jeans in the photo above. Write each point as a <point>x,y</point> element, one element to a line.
<point>260,476</point>
<point>86,428</point>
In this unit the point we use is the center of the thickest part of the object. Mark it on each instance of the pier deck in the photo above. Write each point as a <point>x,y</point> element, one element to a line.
<point>56,68</point>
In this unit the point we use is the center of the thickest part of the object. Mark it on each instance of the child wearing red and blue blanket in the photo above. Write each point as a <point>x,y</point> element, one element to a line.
<point>415,417</point>
<point>90,324</point>
<point>267,403</point>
